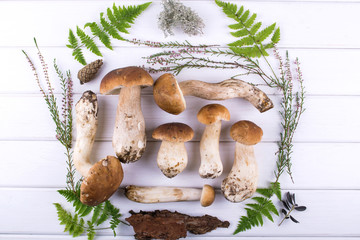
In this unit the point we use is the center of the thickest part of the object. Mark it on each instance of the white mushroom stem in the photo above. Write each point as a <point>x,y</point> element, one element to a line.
<point>241,183</point>
<point>227,89</point>
<point>172,158</point>
<point>211,165</point>
<point>129,139</point>
<point>162,194</point>
<point>86,125</point>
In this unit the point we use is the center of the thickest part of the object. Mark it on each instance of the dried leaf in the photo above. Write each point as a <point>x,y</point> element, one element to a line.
<point>286,204</point>
<point>284,211</point>
<point>293,197</point>
<point>289,198</point>
<point>293,219</point>
<point>301,208</point>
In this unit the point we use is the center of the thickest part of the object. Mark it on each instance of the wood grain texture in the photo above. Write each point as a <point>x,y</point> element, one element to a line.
<point>316,221</point>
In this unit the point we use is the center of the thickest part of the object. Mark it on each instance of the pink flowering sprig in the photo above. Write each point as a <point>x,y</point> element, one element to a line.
<point>62,119</point>
<point>170,44</point>
<point>192,57</point>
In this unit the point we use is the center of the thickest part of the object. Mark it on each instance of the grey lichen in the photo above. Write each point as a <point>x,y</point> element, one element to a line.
<point>176,14</point>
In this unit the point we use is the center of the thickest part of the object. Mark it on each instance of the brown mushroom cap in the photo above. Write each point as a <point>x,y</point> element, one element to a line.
<point>168,95</point>
<point>246,132</point>
<point>103,180</point>
<point>173,132</point>
<point>207,196</point>
<point>124,77</point>
<point>212,113</point>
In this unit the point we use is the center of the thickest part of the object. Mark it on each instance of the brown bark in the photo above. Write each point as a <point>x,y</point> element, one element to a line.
<point>171,225</point>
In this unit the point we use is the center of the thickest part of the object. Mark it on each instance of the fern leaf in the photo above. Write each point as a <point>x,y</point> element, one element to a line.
<point>117,24</point>
<point>240,33</point>
<point>250,21</point>
<point>88,42</point>
<point>110,29</point>
<point>90,231</point>
<point>255,28</point>
<point>73,225</point>
<point>245,16</point>
<point>72,40</point>
<point>272,208</point>
<point>96,213</point>
<point>276,189</point>
<point>229,9</point>
<point>265,33</point>
<point>79,56</point>
<point>276,36</point>
<point>103,36</point>
<point>265,192</point>
<point>245,41</point>
<point>240,12</point>
<point>246,51</point>
<point>267,214</point>
<point>236,26</point>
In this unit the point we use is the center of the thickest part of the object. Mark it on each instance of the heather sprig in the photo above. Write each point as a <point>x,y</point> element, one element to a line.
<point>75,224</point>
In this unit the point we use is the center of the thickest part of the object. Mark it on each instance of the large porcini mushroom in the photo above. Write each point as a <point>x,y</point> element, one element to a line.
<point>169,94</point>
<point>206,195</point>
<point>211,115</point>
<point>103,178</point>
<point>172,157</point>
<point>241,183</point>
<point>129,139</point>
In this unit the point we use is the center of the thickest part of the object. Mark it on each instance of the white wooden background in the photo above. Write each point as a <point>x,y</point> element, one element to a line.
<point>324,34</point>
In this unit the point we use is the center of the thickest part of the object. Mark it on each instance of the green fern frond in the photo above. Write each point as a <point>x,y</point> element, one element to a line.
<point>88,42</point>
<point>248,30</point>
<point>90,231</point>
<point>116,20</point>
<point>73,224</point>
<point>96,213</point>
<point>263,206</point>
<point>100,33</point>
<point>72,197</point>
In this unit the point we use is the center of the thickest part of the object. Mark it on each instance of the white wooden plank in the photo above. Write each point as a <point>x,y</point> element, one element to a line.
<point>319,219</point>
<point>299,22</point>
<point>42,164</point>
<point>27,117</point>
<point>21,237</point>
<point>322,74</point>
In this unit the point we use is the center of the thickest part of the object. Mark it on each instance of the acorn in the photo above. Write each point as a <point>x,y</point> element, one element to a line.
<point>87,73</point>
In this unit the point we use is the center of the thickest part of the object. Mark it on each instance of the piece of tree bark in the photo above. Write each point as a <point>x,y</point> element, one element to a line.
<point>171,225</point>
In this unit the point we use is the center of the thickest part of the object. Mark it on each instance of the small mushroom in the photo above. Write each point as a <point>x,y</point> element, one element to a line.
<point>172,157</point>
<point>241,183</point>
<point>211,115</point>
<point>103,178</point>
<point>129,138</point>
<point>169,95</point>
<point>206,195</point>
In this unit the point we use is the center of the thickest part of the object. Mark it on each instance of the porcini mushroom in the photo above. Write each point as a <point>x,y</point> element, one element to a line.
<point>206,195</point>
<point>172,156</point>
<point>211,115</point>
<point>103,178</point>
<point>241,183</point>
<point>129,139</point>
<point>169,94</point>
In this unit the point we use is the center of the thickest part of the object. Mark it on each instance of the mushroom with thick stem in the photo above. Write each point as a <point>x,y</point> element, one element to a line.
<point>206,195</point>
<point>129,138</point>
<point>241,183</point>
<point>103,178</point>
<point>211,115</point>
<point>169,94</point>
<point>172,156</point>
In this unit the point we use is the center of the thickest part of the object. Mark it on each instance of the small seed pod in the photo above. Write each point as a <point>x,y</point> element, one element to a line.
<point>87,73</point>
